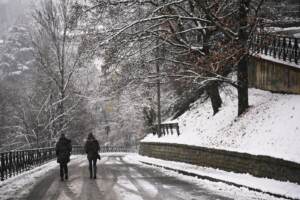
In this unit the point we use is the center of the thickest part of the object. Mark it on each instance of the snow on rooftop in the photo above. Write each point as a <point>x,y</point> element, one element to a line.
<point>270,127</point>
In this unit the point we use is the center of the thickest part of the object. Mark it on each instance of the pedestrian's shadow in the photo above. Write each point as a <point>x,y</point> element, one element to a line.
<point>90,190</point>
<point>66,188</point>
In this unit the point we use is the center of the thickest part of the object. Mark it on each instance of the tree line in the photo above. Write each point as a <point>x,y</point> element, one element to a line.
<point>93,65</point>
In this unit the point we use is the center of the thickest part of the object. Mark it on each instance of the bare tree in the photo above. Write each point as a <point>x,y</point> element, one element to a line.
<point>60,51</point>
<point>203,40</point>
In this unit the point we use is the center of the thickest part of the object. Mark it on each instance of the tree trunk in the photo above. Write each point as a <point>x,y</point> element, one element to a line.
<point>212,88</point>
<point>214,95</point>
<point>242,71</point>
<point>61,111</point>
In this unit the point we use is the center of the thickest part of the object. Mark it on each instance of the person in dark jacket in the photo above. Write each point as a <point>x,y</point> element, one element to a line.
<point>92,148</point>
<point>63,152</point>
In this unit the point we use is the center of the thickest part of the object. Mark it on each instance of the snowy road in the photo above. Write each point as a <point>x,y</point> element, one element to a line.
<point>120,179</point>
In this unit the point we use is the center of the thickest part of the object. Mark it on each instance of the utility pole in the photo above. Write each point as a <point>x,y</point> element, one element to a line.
<point>158,92</point>
<point>158,89</point>
<point>158,80</point>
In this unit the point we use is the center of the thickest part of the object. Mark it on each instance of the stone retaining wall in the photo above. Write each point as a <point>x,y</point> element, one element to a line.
<point>260,166</point>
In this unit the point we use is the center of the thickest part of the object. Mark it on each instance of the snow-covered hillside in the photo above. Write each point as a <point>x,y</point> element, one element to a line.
<point>270,127</point>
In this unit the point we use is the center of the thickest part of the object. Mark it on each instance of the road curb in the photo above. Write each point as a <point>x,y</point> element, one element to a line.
<point>218,180</point>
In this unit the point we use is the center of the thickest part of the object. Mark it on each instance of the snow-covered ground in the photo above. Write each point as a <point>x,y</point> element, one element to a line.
<point>289,190</point>
<point>20,185</point>
<point>270,127</point>
<point>134,181</point>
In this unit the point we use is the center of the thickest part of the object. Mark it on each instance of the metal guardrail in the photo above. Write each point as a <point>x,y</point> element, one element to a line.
<point>166,128</point>
<point>16,162</point>
<point>13,163</point>
<point>279,47</point>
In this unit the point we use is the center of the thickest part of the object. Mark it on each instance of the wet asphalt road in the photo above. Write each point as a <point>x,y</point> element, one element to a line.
<point>119,180</point>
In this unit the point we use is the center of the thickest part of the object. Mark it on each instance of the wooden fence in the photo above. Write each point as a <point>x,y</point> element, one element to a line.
<point>276,46</point>
<point>13,163</point>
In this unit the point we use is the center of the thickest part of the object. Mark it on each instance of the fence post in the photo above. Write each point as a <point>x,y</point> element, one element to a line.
<point>51,152</point>
<point>18,162</point>
<point>274,47</point>
<point>26,160</point>
<point>177,129</point>
<point>284,48</point>
<point>31,158</point>
<point>23,161</point>
<point>13,166</point>
<point>10,163</point>
<point>265,44</point>
<point>3,167</point>
<point>42,155</point>
<point>290,50</point>
<point>13,163</point>
<point>296,49</point>
<point>39,157</point>
<point>6,165</point>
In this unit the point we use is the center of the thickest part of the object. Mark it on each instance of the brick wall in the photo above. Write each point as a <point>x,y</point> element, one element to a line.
<point>260,166</point>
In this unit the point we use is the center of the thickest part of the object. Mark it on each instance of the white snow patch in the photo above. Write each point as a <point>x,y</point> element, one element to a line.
<point>276,60</point>
<point>99,62</point>
<point>22,67</point>
<point>84,164</point>
<point>26,49</point>
<point>147,187</point>
<point>279,29</point>
<point>16,73</point>
<point>126,189</point>
<point>297,35</point>
<point>270,127</point>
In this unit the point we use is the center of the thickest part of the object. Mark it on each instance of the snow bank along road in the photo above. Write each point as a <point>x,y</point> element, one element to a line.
<point>122,177</point>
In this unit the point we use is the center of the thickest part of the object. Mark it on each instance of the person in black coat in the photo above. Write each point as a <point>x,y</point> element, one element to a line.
<point>92,148</point>
<point>63,152</point>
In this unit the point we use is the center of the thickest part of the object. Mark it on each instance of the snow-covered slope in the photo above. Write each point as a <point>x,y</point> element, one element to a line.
<point>270,127</point>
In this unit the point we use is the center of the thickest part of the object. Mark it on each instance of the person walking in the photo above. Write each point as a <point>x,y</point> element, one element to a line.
<point>92,148</point>
<point>63,151</point>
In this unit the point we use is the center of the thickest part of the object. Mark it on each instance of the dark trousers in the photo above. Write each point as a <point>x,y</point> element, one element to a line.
<point>63,171</point>
<point>93,167</point>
